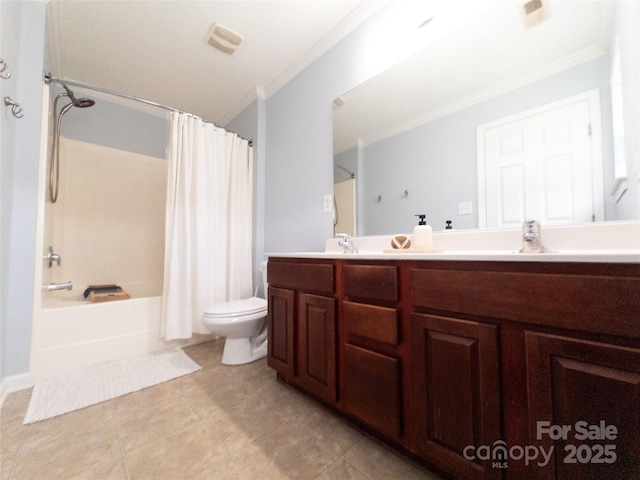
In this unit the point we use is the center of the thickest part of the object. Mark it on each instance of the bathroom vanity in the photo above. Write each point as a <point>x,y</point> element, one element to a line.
<point>471,365</point>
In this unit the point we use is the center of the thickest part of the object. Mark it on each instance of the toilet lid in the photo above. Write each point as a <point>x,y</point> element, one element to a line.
<point>237,308</point>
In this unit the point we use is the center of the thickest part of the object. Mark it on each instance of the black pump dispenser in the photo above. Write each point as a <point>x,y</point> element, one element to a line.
<point>448,227</point>
<point>422,219</point>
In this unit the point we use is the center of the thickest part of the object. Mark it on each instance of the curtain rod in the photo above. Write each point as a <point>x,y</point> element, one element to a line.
<point>48,78</point>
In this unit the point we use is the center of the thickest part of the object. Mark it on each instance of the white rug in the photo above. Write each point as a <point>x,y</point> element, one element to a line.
<point>88,386</point>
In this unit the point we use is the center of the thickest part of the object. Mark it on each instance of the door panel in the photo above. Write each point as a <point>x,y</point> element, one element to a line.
<point>317,345</point>
<point>539,165</point>
<point>456,400</point>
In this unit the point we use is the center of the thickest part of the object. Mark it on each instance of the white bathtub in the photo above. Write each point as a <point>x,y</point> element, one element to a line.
<point>72,333</point>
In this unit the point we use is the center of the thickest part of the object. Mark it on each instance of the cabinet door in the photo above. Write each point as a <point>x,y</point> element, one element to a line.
<point>580,386</point>
<point>317,346</point>
<point>281,331</point>
<point>456,393</point>
<point>372,389</point>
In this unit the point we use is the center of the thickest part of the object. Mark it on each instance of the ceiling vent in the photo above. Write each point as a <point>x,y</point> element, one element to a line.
<point>338,102</point>
<point>224,39</point>
<point>534,12</point>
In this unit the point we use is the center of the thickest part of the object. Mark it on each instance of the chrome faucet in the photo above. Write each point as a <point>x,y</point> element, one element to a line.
<point>531,239</point>
<point>51,257</point>
<point>346,243</point>
<point>50,287</point>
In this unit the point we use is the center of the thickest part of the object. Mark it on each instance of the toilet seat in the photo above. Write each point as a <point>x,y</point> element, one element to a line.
<point>237,308</point>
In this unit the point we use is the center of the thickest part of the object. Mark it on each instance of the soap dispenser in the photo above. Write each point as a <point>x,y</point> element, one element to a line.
<point>422,235</point>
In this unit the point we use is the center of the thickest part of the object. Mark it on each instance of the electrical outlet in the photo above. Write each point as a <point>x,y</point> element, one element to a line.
<point>465,208</point>
<point>328,203</point>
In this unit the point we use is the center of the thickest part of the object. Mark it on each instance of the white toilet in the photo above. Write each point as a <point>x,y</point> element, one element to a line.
<point>243,323</point>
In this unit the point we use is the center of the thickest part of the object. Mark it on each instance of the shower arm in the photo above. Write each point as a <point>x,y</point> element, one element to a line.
<point>351,174</point>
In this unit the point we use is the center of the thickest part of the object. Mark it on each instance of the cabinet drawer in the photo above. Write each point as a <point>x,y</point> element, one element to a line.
<point>372,389</point>
<point>371,281</point>
<point>307,277</point>
<point>371,321</point>
<point>593,303</point>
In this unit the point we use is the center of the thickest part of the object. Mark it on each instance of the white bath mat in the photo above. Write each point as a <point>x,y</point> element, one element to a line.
<point>88,386</point>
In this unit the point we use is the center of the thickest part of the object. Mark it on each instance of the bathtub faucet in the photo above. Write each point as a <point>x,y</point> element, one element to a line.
<point>52,257</point>
<point>50,287</point>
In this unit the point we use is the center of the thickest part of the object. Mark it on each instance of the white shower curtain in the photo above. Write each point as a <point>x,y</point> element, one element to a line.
<point>208,230</point>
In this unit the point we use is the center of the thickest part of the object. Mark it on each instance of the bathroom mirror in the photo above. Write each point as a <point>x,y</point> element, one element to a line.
<point>412,136</point>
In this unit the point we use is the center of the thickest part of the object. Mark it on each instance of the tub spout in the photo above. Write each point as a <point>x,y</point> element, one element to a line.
<point>50,287</point>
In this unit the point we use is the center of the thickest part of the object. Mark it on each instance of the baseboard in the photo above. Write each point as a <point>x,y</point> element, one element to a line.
<point>14,383</point>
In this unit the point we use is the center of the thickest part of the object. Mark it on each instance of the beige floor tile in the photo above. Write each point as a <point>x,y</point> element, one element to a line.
<point>222,422</point>
<point>208,354</point>
<point>10,442</point>
<point>152,413</point>
<point>13,410</point>
<point>246,423</point>
<point>181,455</point>
<point>333,432</point>
<point>289,452</point>
<point>380,462</point>
<point>86,426</point>
<point>100,459</point>
<point>11,430</point>
<point>342,470</point>
<point>228,469</point>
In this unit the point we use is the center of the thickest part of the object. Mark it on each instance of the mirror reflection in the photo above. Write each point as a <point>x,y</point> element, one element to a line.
<point>508,117</point>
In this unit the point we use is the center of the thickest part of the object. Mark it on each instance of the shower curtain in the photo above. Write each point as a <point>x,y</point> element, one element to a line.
<point>208,230</point>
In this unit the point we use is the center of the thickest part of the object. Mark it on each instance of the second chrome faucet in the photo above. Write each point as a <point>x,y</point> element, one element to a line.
<point>347,243</point>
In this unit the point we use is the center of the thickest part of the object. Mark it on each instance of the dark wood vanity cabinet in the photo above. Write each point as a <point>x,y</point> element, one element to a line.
<point>592,391</point>
<point>456,392</point>
<point>302,325</point>
<point>533,345</point>
<point>281,331</point>
<point>469,365</point>
<point>372,366</point>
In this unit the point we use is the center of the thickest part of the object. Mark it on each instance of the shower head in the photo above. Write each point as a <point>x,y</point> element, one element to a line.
<point>78,102</point>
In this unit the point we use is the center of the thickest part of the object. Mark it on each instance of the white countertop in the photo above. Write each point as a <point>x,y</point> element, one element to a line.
<point>584,256</point>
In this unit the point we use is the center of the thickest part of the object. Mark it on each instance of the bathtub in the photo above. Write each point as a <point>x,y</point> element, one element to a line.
<point>73,333</point>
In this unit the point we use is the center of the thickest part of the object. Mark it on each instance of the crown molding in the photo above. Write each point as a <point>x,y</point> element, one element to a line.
<point>356,17</point>
<point>533,76</point>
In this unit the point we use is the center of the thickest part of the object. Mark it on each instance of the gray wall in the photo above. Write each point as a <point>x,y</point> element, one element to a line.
<point>114,125</point>
<point>299,147</point>
<point>22,47</point>
<point>250,124</point>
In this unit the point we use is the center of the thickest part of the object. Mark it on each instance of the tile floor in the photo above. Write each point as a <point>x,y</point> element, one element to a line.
<point>218,423</point>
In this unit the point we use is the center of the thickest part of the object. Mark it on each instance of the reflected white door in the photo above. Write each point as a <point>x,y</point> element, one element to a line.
<point>539,165</point>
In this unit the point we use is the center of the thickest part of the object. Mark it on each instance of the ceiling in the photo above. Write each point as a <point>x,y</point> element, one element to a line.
<point>158,50</point>
<point>489,55</point>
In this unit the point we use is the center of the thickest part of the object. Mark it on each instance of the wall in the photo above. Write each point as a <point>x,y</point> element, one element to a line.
<point>108,222</point>
<point>299,126</point>
<point>131,127</point>
<point>250,124</point>
<point>22,47</point>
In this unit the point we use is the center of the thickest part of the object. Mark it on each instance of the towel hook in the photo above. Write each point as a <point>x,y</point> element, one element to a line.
<point>16,109</point>
<point>3,68</point>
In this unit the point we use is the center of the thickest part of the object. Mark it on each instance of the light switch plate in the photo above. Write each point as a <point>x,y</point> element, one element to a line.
<point>328,203</point>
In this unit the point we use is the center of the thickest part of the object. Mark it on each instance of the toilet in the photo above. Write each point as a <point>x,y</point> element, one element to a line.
<point>243,323</point>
